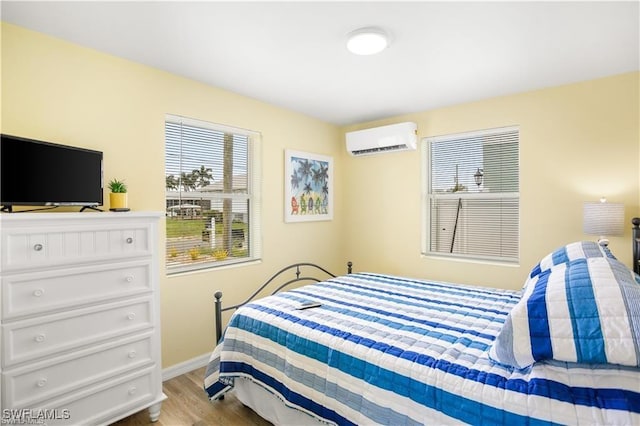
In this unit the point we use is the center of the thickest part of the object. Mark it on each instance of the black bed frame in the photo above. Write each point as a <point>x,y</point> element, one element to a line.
<point>635,238</point>
<point>311,267</point>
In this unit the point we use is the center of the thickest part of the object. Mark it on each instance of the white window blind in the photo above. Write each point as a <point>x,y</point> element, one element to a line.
<point>212,177</point>
<point>472,200</point>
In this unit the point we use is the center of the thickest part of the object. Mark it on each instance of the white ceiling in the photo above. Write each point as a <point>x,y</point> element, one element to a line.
<point>293,54</point>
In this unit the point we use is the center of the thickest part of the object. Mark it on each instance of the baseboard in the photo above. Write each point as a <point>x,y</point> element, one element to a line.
<point>185,367</point>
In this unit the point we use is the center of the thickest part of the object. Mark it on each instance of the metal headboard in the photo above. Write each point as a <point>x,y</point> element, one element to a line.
<point>313,267</point>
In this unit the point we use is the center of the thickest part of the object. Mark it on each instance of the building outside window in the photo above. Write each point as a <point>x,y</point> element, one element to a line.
<point>212,194</point>
<point>471,199</point>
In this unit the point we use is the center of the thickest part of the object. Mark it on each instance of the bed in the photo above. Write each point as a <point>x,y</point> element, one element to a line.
<point>368,348</point>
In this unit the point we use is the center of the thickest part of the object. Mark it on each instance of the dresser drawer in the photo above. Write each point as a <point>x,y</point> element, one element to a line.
<point>40,292</point>
<point>27,386</point>
<point>49,334</point>
<point>46,246</point>
<point>99,404</point>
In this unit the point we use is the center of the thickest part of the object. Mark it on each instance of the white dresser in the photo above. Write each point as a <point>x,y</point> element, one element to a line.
<point>80,334</point>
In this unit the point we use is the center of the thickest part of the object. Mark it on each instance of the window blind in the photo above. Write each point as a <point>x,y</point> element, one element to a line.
<point>472,203</point>
<point>212,194</point>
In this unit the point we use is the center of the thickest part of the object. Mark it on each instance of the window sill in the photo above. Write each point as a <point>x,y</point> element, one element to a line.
<point>207,269</point>
<point>479,261</point>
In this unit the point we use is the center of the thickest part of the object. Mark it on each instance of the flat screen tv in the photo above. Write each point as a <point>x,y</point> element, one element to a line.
<point>38,173</point>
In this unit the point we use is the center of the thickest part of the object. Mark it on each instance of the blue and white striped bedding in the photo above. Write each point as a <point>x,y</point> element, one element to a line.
<point>390,350</point>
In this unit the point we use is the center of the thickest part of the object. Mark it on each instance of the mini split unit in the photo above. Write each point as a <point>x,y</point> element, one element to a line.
<point>394,137</point>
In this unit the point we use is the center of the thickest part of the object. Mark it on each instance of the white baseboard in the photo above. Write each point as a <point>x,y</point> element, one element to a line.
<point>185,367</point>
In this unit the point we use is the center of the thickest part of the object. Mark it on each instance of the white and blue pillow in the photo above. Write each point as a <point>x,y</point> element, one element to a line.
<point>569,252</point>
<point>585,310</point>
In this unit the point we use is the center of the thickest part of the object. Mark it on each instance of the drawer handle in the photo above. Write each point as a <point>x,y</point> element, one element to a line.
<point>41,383</point>
<point>38,247</point>
<point>129,278</point>
<point>131,316</point>
<point>132,354</point>
<point>38,292</point>
<point>129,240</point>
<point>132,390</point>
<point>39,338</point>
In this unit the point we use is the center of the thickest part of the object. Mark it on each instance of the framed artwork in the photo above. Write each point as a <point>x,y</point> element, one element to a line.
<point>308,187</point>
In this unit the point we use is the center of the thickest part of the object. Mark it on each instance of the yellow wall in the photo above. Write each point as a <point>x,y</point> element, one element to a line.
<point>577,143</point>
<point>57,91</point>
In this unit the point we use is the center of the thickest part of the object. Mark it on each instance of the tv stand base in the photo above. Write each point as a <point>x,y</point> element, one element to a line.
<point>90,208</point>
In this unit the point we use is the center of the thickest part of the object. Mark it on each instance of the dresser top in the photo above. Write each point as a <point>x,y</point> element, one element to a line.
<point>76,216</point>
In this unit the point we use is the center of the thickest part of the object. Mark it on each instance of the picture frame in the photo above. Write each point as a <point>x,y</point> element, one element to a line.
<point>308,186</point>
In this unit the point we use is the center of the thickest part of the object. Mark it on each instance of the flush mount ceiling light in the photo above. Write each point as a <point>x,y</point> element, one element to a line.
<point>367,41</point>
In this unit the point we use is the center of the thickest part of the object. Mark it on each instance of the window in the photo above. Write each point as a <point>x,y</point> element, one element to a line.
<point>472,200</point>
<point>212,194</point>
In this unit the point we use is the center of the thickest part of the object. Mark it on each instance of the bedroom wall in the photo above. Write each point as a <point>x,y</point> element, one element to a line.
<point>577,143</point>
<point>57,91</point>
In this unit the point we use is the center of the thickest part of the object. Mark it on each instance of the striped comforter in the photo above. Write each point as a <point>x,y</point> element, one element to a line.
<point>390,350</point>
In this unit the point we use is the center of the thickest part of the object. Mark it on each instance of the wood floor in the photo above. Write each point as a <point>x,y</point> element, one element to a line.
<point>187,404</point>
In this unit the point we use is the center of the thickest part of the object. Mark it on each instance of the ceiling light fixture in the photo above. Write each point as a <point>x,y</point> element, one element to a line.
<point>367,41</point>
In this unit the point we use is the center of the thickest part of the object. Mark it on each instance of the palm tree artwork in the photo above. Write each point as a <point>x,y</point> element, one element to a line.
<point>309,186</point>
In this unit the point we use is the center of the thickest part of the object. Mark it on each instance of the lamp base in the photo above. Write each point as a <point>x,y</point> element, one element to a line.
<point>604,242</point>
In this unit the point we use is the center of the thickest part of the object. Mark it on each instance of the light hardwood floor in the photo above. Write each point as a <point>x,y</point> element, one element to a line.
<point>187,404</point>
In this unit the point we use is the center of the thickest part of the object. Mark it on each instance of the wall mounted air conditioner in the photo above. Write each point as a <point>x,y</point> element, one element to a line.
<point>394,137</point>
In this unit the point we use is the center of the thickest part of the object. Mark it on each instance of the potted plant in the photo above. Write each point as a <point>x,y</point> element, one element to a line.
<point>118,195</point>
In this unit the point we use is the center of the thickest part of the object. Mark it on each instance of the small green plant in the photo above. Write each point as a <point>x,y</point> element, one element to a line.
<point>194,253</point>
<point>173,252</point>
<point>117,186</point>
<point>220,254</point>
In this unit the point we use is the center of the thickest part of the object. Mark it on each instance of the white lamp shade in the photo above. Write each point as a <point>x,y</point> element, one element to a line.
<point>603,219</point>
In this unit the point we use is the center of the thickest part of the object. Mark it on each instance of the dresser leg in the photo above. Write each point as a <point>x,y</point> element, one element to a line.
<point>154,412</point>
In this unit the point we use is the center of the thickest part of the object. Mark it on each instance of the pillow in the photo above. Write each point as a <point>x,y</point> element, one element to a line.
<point>584,310</point>
<point>572,251</point>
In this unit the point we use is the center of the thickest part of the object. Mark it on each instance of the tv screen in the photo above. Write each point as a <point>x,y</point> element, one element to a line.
<point>36,173</point>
